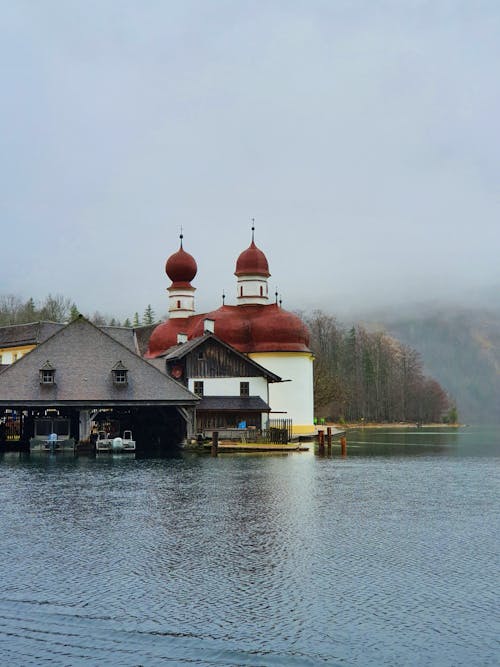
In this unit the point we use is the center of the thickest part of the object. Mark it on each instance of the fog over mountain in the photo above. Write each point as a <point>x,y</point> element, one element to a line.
<point>459,344</point>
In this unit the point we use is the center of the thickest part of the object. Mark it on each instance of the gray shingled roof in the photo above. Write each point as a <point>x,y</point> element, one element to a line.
<point>142,336</point>
<point>33,333</point>
<point>123,335</point>
<point>182,349</point>
<point>233,404</point>
<point>83,356</point>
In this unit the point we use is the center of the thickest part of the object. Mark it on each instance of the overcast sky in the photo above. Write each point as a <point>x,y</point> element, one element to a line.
<point>362,136</point>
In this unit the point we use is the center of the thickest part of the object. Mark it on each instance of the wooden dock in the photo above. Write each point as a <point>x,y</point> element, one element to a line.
<point>232,446</point>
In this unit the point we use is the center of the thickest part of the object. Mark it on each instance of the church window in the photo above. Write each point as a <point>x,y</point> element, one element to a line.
<point>261,291</point>
<point>244,388</point>
<point>178,304</point>
<point>241,290</point>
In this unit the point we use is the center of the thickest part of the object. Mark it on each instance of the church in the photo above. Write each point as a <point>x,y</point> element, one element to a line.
<point>257,327</point>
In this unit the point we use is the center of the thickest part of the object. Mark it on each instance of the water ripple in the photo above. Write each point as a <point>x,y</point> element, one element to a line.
<point>249,561</point>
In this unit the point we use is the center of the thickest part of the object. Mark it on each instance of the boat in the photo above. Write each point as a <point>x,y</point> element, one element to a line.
<point>105,443</point>
<point>52,435</point>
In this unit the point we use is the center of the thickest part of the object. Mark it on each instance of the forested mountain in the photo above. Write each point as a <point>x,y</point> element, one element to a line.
<point>371,376</point>
<point>461,349</point>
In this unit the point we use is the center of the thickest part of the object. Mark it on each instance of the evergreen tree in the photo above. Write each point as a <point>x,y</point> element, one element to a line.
<point>29,311</point>
<point>149,315</point>
<point>136,322</point>
<point>127,323</point>
<point>74,313</point>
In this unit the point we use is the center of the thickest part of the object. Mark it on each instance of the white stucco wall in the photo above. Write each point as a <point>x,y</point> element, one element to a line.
<point>186,298</point>
<point>251,286</point>
<point>231,386</point>
<point>295,398</point>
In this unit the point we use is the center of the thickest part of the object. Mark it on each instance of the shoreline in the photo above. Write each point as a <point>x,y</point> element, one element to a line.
<point>377,425</point>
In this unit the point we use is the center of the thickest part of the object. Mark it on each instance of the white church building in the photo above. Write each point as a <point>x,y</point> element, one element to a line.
<point>256,327</point>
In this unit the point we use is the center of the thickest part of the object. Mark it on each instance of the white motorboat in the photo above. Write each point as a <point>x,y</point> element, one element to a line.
<point>52,435</point>
<point>105,443</point>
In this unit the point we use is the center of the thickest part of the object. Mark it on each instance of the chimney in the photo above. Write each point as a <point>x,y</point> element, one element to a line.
<point>209,325</point>
<point>182,338</point>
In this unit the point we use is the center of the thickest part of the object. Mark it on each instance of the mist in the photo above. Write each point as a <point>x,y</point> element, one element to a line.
<point>361,137</point>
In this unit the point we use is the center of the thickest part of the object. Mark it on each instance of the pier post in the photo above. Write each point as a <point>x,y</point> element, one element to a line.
<point>343,446</point>
<point>329,440</point>
<point>215,444</point>
<point>321,443</point>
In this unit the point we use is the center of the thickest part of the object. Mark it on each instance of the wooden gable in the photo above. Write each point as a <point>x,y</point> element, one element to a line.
<point>210,357</point>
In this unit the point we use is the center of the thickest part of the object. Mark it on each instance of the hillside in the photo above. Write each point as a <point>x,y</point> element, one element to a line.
<point>461,349</point>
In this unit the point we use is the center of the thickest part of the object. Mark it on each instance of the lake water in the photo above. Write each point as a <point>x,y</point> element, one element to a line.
<point>387,557</point>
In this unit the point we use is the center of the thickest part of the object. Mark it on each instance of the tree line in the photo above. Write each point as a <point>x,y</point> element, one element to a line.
<point>358,375</point>
<point>57,308</point>
<point>362,375</point>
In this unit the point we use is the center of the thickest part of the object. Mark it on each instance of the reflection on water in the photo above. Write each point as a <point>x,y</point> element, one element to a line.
<point>388,557</point>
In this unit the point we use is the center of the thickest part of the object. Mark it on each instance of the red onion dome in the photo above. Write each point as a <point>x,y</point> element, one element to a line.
<point>258,328</point>
<point>252,261</point>
<point>277,330</point>
<point>231,324</point>
<point>181,266</point>
<point>164,335</point>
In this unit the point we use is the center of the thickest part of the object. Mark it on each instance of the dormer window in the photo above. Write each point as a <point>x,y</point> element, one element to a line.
<point>120,374</point>
<point>47,374</point>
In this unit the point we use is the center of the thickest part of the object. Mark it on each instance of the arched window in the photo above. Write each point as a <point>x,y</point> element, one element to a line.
<point>241,290</point>
<point>178,304</point>
<point>261,291</point>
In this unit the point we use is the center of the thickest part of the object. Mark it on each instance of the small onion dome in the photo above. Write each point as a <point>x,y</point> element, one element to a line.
<point>252,261</point>
<point>181,267</point>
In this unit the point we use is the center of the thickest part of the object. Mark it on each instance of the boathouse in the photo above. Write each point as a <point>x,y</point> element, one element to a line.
<point>81,371</point>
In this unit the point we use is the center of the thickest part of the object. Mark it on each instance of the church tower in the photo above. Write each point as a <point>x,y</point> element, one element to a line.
<point>252,272</point>
<point>181,268</point>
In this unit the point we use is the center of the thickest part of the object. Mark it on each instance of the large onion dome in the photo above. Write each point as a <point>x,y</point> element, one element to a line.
<point>249,328</point>
<point>165,334</point>
<point>257,328</point>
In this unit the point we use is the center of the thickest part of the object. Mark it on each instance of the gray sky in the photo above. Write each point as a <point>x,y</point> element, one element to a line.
<point>361,136</point>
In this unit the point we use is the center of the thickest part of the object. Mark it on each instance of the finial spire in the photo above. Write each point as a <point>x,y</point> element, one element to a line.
<point>253,229</point>
<point>223,297</point>
<point>181,236</point>
<point>281,300</point>
<point>276,295</point>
